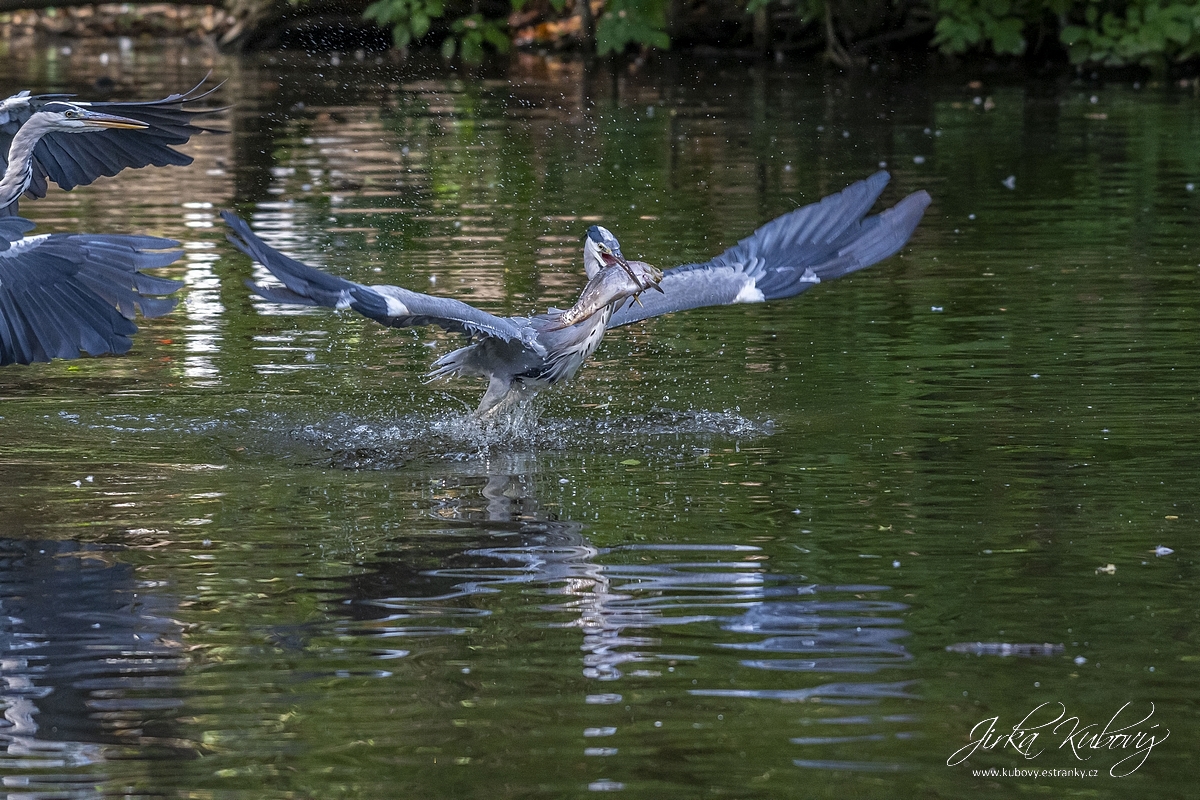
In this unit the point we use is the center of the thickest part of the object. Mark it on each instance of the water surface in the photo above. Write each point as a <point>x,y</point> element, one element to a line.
<point>798,549</point>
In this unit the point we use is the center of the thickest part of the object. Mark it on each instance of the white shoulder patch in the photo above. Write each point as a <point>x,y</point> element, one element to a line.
<point>23,244</point>
<point>395,308</point>
<point>749,293</point>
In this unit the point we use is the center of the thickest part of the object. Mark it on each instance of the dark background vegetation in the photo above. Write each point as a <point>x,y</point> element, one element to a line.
<point>1154,35</point>
<point>1146,36</point>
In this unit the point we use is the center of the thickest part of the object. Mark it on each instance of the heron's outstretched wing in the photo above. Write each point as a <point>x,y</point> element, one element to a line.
<point>390,305</point>
<point>788,255</point>
<point>72,160</point>
<point>61,294</point>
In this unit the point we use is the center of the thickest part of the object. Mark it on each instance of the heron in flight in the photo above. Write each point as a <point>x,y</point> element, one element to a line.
<point>521,355</point>
<point>144,136</point>
<point>63,294</point>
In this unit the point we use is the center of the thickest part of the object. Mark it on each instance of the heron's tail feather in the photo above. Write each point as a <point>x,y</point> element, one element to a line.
<point>304,285</point>
<point>453,365</point>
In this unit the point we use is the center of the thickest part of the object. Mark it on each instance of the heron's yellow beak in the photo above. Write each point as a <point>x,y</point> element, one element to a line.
<point>113,121</point>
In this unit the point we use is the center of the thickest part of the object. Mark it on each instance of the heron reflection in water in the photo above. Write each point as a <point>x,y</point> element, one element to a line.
<point>522,355</point>
<point>63,294</point>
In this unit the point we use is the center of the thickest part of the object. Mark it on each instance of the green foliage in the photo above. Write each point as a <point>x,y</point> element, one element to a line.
<point>409,19</point>
<point>628,22</point>
<point>1149,32</point>
<point>468,36</point>
<point>978,24</point>
<point>1110,32</point>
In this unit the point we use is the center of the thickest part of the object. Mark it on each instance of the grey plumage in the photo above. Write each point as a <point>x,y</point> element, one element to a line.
<point>790,254</point>
<point>61,294</point>
<point>520,355</point>
<point>72,161</point>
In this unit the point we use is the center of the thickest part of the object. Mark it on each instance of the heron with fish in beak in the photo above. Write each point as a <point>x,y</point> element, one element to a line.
<point>521,355</point>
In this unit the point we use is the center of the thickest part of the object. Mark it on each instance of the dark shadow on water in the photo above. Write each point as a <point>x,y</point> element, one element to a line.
<point>636,609</point>
<point>89,667</point>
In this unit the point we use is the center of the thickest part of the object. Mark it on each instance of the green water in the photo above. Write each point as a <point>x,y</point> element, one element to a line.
<point>748,552</point>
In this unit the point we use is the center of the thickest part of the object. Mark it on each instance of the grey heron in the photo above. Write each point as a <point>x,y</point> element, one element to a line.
<point>63,294</point>
<point>72,161</point>
<point>521,355</point>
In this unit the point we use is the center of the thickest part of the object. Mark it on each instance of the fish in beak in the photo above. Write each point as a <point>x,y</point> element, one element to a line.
<point>645,276</point>
<point>618,281</point>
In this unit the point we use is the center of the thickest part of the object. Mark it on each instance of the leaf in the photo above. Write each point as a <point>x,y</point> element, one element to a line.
<point>1071,34</point>
<point>378,12</point>
<point>448,48</point>
<point>496,37</point>
<point>631,462</point>
<point>1007,38</point>
<point>419,25</point>
<point>472,53</point>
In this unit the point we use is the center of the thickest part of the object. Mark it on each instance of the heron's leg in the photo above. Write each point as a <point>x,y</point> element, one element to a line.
<point>498,389</point>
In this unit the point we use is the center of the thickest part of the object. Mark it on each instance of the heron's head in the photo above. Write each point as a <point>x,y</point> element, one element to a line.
<point>600,249</point>
<point>73,118</point>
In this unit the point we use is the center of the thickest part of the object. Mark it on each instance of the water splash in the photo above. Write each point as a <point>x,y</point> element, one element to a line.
<point>357,443</point>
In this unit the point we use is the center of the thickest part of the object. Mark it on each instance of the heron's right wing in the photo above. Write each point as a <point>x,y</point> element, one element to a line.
<point>75,159</point>
<point>61,294</point>
<point>793,253</point>
<point>389,305</point>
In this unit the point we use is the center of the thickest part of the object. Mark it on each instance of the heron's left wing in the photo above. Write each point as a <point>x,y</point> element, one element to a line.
<point>61,294</point>
<point>793,253</point>
<point>393,306</point>
<point>72,159</point>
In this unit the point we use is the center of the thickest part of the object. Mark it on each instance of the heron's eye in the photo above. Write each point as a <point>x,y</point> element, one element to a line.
<point>72,114</point>
<point>604,249</point>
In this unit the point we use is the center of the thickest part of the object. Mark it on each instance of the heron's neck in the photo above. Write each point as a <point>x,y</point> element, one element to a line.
<point>19,173</point>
